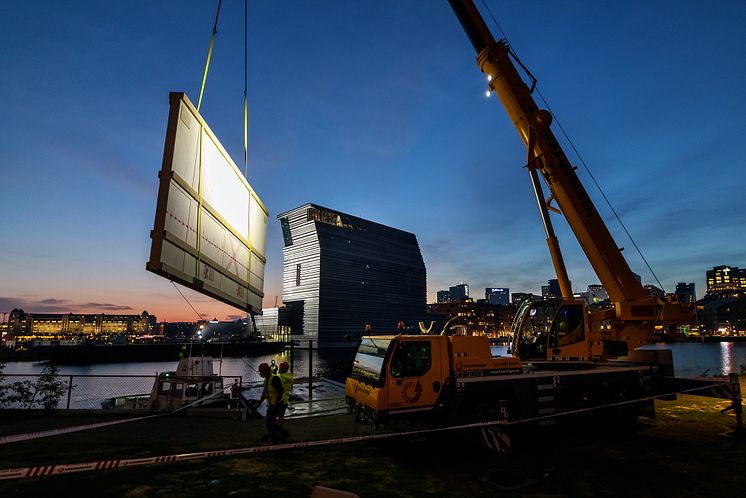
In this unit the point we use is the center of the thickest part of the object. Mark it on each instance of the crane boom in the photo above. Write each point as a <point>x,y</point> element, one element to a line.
<point>635,311</point>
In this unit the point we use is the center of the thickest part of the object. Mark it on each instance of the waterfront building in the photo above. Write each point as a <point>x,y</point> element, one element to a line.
<point>479,317</point>
<point>77,327</point>
<point>685,292</point>
<point>726,280</point>
<point>275,324</point>
<point>724,315</point>
<point>497,295</point>
<point>341,273</point>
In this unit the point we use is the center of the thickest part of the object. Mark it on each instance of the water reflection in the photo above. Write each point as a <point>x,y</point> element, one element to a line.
<point>690,360</point>
<point>333,364</point>
<point>726,357</point>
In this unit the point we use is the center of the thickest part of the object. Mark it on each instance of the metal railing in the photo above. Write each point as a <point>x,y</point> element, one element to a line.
<point>93,392</point>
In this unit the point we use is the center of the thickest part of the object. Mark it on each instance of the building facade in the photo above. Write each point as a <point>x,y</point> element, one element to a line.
<point>341,273</point>
<point>458,292</point>
<point>685,292</point>
<point>24,327</point>
<point>497,295</point>
<point>726,280</point>
<point>444,296</point>
<point>552,289</point>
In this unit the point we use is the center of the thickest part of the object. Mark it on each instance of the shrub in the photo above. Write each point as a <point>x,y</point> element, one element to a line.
<point>46,391</point>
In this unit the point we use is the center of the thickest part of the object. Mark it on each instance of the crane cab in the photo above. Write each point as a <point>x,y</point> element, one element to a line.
<point>555,330</point>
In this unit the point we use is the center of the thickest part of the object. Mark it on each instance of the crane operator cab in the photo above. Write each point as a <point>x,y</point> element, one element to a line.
<point>551,330</point>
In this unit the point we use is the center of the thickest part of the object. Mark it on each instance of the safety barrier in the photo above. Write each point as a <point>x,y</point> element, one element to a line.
<point>730,389</point>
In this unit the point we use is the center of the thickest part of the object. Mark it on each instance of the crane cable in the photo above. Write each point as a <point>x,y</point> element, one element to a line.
<point>245,100</point>
<point>582,161</point>
<point>209,55</point>
<point>187,300</point>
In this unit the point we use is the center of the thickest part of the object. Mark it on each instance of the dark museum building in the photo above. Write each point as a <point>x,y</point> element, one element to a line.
<point>341,273</point>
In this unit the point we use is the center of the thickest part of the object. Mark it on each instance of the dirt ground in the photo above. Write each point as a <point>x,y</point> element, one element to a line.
<point>682,453</point>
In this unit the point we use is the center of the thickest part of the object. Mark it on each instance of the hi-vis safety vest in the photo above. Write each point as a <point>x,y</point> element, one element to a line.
<point>287,384</point>
<point>270,393</point>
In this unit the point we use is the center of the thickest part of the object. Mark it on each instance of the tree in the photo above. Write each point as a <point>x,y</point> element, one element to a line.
<point>50,387</point>
<point>46,391</point>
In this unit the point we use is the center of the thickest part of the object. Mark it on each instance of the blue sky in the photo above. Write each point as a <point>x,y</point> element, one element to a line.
<point>376,109</point>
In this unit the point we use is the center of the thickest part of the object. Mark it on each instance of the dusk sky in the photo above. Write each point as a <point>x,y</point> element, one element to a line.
<point>375,109</point>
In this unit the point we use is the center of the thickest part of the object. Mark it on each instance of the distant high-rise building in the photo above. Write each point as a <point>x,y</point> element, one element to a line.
<point>459,292</point>
<point>685,292</point>
<point>341,273</point>
<point>726,279</point>
<point>444,296</point>
<point>552,289</point>
<point>497,295</point>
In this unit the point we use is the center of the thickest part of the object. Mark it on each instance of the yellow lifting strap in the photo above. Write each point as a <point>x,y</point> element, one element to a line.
<point>209,55</point>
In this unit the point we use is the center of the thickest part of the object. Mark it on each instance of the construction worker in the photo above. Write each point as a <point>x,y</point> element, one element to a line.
<point>273,368</point>
<point>272,392</point>
<point>286,377</point>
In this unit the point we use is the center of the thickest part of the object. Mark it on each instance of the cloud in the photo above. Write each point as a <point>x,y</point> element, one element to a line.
<point>52,300</point>
<point>54,305</point>
<point>104,306</point>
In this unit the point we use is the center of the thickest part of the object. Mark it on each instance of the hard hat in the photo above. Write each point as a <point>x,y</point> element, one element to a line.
<point>284,366</point>
<point>263,368</point>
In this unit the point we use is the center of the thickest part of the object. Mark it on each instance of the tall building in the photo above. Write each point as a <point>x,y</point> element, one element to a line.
<point>685,292</point>
<point>552,289</point>
<point>444,296</point>
<point>459,292</point>
<point>497,295</point>
<point>726,280</point>
<point>341,273</point>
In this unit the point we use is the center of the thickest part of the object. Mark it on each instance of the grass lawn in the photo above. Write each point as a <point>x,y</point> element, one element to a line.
<point>680,454</point>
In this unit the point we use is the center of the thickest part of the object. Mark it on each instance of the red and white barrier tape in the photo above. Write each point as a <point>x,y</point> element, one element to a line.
<point>47,470</point>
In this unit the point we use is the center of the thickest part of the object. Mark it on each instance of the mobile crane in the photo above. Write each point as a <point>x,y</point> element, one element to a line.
<point>563,358</point>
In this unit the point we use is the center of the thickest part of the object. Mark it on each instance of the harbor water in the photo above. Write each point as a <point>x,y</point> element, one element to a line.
<point>690,360</point>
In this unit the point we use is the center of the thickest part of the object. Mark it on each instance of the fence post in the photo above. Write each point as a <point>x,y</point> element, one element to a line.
<point>69,391</point>
<point>291,355</point>
<point>310,369</point>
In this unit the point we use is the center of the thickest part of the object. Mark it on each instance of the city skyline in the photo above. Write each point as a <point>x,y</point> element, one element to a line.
<point>382,115</point>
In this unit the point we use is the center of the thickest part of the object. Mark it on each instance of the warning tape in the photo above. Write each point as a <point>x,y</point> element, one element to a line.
<point>67,430</point>
<point>48,470</point>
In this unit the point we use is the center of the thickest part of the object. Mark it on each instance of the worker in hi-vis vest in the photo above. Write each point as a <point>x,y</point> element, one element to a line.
<point>272,392</point>
<point>286,377</point>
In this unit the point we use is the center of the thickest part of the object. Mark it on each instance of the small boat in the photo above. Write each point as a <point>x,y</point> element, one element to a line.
<point>193,383</point>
